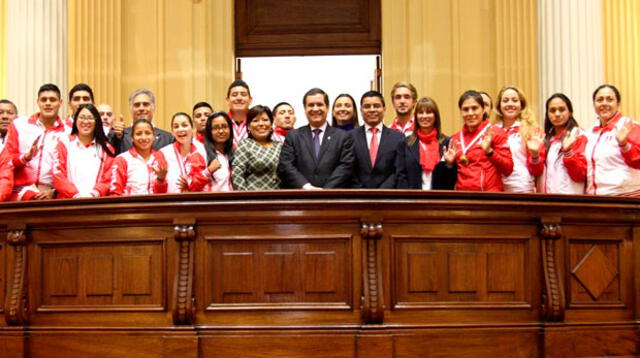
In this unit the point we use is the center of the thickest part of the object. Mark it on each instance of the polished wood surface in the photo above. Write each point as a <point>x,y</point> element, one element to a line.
<point>303,28</point>
<point>321,274</point>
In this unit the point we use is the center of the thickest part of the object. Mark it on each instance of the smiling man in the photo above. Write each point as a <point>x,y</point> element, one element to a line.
<point>404,97</point>
<point>30,142</point>
<point>374,146</point>
<point>142,103</point>
<point>78,95</point>
<point>8,112</point>
<point>316,156</point>
<point>238,99</point>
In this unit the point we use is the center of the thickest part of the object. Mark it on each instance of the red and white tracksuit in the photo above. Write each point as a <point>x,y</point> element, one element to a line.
<point>482,172</point>
<point>239,130</point>
<point>6,176</point>
<point>81,171</point>
<point>564,172</point>
<point>220,180</point>
<point>37,172</point>
<point>133,175</point>
<point>407,129</point>
<point>525,170</point>
<point>199,137</point>
<point>612,170</point>
<point>189,167</point>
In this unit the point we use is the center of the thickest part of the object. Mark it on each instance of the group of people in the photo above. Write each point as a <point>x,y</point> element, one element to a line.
<point>91,154</point>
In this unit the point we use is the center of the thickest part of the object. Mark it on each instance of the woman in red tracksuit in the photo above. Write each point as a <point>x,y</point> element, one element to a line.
<point>480,150</point>
<point>185,163</point>
<point>141,170</point>
<point>565,163</point>
<point>83,160</point>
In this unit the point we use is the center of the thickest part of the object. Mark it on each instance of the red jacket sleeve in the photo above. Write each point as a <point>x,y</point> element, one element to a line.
<point>12,146</point>
<point>501,157</point>
<point>631,152</point>
<point>6,176</point>
<point>160,187</point>
<point>197,180</point>
<point>61,182</point>
<point>575,160</point>
<point>537,167</point>
<point>118,176</point>
<point>102,184</point>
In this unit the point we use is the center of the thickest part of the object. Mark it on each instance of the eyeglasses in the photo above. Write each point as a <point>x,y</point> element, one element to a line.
<point>220,128</point>
<point>86,119</point>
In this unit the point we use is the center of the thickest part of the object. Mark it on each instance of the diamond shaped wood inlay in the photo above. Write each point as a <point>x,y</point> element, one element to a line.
<point>595,272</point>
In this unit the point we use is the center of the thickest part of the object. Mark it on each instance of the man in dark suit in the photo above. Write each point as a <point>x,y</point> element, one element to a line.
<point>317,155</point>
<point>143,106</point>
<point>374,146</point>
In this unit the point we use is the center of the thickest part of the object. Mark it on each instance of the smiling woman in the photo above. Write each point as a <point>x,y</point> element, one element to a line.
<point>613,149</point>
<point>185,162</point>
<point>256,159</point>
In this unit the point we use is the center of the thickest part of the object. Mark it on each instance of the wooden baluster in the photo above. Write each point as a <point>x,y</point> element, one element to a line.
<point>372,301</point>
<point>183,297</point>
<point>16,306</point>
<point>553,299</point>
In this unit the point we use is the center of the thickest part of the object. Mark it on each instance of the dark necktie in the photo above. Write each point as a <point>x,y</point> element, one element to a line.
<point>316,141</point>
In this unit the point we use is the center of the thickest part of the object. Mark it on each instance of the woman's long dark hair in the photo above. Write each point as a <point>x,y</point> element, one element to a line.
<point>209,144</point>
<point>98,132</point>
<point>549,129</point>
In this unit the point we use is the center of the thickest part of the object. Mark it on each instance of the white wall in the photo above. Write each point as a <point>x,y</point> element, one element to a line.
<point>286,79</point>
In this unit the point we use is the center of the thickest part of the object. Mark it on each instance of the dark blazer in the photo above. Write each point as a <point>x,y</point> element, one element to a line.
<point>409,170</point>
<point>123,144</point>
<point>383,173</point>
<point>298,164</point>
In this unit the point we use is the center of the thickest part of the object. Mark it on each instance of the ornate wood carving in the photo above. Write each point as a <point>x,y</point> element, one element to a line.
<point>16,308</point>
<point>372,302</point>
<point>183,297</point>
<point>553,299</point>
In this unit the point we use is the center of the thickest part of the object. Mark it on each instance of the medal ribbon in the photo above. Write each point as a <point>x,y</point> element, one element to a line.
<point>475,139</point>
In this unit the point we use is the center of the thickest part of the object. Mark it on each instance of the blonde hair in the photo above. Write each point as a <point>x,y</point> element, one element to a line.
<point>526,117</point>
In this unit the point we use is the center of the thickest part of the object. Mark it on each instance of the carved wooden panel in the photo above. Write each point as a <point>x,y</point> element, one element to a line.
<point>430,271</point>
<point>302,27</point>
<point>280,345</point>
<point>595,271</point>
<point>110,276</point>
<point>2,270</point>
<point>275,272</point>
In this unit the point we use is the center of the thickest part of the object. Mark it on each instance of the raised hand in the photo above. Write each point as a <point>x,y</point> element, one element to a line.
<point>487,140</point>
<point>534,141</point>
<point>32,151</point>
<point>569,139</point>
<point>623,133</point>
<point>161,172</point>
<point>451,152</point>
<point>118,126</point>
<point>214,165</point>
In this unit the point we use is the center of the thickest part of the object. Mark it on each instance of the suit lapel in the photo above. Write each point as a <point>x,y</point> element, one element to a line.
<point>308,140</point>
<point>415,151</point>
<point>360,140</point>
<point>327,141</point>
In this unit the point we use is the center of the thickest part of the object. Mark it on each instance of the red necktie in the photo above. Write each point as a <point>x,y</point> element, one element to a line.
<point>373,147</point>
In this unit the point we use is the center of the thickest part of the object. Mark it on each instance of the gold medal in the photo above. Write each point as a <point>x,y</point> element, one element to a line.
<point>464,160</point>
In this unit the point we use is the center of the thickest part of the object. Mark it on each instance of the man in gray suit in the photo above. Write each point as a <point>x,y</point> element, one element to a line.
<point>143,106</point>
<point>316,156</point>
